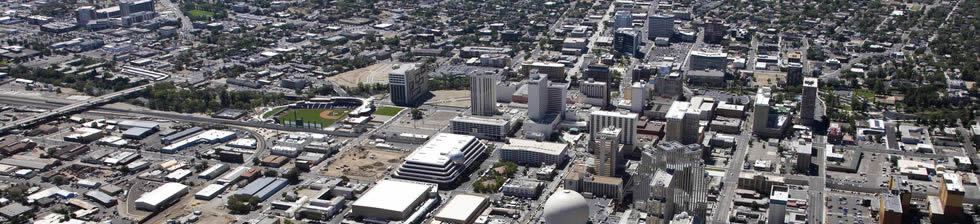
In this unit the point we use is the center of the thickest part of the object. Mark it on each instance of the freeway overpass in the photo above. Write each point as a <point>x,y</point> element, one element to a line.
<point>71,108</point>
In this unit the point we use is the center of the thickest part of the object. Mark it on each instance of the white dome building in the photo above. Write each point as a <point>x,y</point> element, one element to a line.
<point>566,207</point>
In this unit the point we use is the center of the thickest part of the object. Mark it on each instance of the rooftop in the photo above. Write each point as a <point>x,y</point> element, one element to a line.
<point>536,146</point>
<point>437,150</point>
<point>392,195</point>
<point>462,207</point>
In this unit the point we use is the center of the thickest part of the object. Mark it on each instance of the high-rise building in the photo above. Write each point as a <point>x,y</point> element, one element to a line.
<point>890,209</point>
<point>949,204</point>
<point>127,7</point>
<point>624,120</point>
<point>761,110</point>
<point>607,151</point>
<point>624,19</point>
<point>638,97</point>
<point>406,84</point>
<point>804,154</point>
<point>682,123</point>
<point>627,41</point>
<point>546,105</point>
<point>669,84</point>
<point>481,127</point>
<point>809,102</point>
<point>705,60</point>
<point>596,93</point>
<point>660,25</point>
<point>714,31</point>
<point>687,190</point>
<point>777,204</point>
<point>544,97</point>
<point>84,14</point>
<point>794,74</point>
<point>483,98</point>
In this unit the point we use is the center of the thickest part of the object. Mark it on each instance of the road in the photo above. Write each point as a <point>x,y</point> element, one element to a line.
<point>70,108</point>
<point>725,200</point>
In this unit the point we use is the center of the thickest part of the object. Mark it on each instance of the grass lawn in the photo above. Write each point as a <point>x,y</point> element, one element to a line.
<point>868,95</point>
<point>312,116</point>
<point>273,112</point>
<point>388,111</point>
<point>714,169</point>
<point>199,13</point>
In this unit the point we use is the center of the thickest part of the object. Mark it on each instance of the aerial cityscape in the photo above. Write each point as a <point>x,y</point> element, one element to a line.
<point>489,111</point>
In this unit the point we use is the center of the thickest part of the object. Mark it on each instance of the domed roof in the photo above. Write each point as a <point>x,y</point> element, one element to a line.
<point>457,157</point>
<point>566,207</point>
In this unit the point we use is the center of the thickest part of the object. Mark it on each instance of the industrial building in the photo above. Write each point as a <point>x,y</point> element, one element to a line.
<point>392,200</point>
<point>161,197</point>
<point>442,159</point>
<point>213,171</point>
<point>263,188</point>
<point>210,191</point>
<point>463,209</point>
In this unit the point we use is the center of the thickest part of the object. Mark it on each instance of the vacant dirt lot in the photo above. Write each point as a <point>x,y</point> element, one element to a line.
<point>376,73</point>
<point>456,98</point>
<point>365,163</point>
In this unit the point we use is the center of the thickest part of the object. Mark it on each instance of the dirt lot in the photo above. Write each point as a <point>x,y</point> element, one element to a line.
<point>376,73</point>
<point>365,163</point>
<point>768,78</point>
<point>456,98</point>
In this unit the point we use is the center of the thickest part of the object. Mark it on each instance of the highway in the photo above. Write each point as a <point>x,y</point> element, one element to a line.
<point>70,108</point>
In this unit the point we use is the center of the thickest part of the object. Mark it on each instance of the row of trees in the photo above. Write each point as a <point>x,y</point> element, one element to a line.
<point>92,83</point>
<point>166,96</point>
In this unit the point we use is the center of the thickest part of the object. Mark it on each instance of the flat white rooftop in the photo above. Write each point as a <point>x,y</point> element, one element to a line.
<point>462,207</point>
<point>392,195</point>
<point>615,114</point>
<point>437,150</point>
<point>677,110</point>
<point>536,146</point>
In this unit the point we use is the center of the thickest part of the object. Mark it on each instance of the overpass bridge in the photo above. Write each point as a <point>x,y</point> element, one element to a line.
<point>71,108</point>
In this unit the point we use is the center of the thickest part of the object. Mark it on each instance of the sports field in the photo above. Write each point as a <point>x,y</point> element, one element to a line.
<point>324,117</point>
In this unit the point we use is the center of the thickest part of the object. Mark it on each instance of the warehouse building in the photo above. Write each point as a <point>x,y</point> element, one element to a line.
<point>101,198</point>
<point>233,176</point>
<point>263,188</point>
<point>161,197</point>
<point>213,171</point>
<point>463,209</point>
<point>393,200</point>
<point>210,191</point>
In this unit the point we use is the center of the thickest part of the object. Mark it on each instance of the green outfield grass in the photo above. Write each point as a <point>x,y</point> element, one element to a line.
<point>272,112</point>
<point>313,116</point>
<point>388,111</point>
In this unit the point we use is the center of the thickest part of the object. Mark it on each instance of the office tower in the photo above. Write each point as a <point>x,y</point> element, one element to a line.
<point>638,95</point>
<point>624,120</point>
<point>669,84</point>
<point>794,74</point>
<point>544,98</point>
<point>804,155</point>
<point>127,7</point>
<point>777,204</point>
<point>84,14</point>
<point>705,60</point>
<point>406,83</point>
<point>546,105</point>
<point>761,113</point>
<point>682,123</point>
<point>687,189</point>
<point>599,72</point>
<point>607,151</point>
<point>596,93</point>
<point>624,19</point>
<point>949,204</point>
<point>809,102</point>
<point>442,159</point>
<point>483,98</point>
<point>627,41</point>
<point>660,25</point>
<point>714,31</point>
